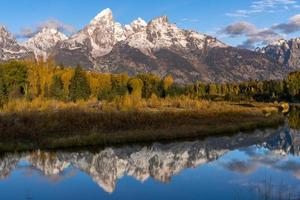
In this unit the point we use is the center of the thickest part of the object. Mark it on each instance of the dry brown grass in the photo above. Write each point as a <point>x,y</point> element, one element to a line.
<point>46,123</point>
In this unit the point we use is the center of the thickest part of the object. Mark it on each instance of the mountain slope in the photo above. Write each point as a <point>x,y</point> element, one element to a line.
<point>10,49</point>
<point>162,48</point>
<point>158,47</point>
<point>44,41</point>
<point>286,52</point>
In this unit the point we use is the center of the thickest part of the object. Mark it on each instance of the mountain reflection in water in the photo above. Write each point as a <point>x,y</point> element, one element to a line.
<point>268,148</point>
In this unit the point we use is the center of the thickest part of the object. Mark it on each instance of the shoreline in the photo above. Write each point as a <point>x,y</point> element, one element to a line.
<point>45,130</point>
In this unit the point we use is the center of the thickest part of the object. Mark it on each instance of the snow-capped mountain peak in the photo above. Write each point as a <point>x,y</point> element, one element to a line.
<point>44,41</point>
<point>5,36</point>
<point>284,51</point>
<point>2,28</point>
<point>138,24</point>
<point>278,42</point>
<point>106,14</point>
<point>160,47</point>
<point>9,47</point>
<point>160,20</point>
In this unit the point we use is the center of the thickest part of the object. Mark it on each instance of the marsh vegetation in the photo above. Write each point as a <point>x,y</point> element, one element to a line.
<point>49,106</point>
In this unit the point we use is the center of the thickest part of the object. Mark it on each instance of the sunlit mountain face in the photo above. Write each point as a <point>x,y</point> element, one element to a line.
<point>241,162</point>
<point>158,46</point>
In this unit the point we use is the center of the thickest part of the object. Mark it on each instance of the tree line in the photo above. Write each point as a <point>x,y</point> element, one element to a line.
<point>30,80</point>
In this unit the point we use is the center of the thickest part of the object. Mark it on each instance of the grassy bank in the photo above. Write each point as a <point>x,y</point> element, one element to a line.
<point>29,125</point>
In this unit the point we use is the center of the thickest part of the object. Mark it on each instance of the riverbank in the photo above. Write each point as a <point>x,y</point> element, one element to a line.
<point>90,124</point>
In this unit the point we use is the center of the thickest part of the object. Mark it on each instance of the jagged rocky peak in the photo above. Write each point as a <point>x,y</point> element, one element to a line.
<point>159,20</point>
<point>48,37</point>
<point>10,48</point>
<point>279,42</point>
<point>138,25</point>
<point>5,36</point>
<point>44,41</point>
<point>164,34</point>
<point>105,15</point>
<point>159,47</point>
<point>286,52</point>
<point>97,38</point>
<point>3,30</point>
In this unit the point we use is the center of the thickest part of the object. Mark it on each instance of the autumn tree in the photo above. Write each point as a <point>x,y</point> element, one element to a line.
<point>167,83</point>
<point>105,87</point>
<point>293,84</point>
<point>135,86</point>
<point>151,84</point>
<point>212,89</point>
<point>119,84</point>
<point>66,77</point>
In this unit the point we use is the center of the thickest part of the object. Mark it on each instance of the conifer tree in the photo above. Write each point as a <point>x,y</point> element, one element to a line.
<point>79,86</point>
<point>56,89</point>
<point>3,92</point>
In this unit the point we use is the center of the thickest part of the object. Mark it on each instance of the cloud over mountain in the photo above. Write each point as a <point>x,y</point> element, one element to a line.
<point>28,32</point>
<point>293,25</point>
<point>252,34</point>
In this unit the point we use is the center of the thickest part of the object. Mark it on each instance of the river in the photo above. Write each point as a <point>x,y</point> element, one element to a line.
<point>264,164</point>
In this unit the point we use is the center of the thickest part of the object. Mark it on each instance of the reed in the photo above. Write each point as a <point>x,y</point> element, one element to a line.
<point>52,124</point>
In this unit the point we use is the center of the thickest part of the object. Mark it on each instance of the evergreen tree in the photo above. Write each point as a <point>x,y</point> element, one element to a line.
<point>3,92</point>
<point>79,87</point>
<point>56,89</point>
<point>15,74</point>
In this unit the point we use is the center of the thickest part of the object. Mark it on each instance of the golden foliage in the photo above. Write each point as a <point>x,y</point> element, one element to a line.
<point>168,82</point>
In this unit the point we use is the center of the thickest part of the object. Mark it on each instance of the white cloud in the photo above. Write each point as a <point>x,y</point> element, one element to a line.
<point>254,36</point>
<point>28,32</point>
<point>293,25</point>
<point>265,6</point>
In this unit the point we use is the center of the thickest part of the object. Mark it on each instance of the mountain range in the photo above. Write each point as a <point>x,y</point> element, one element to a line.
<point>159,47</point>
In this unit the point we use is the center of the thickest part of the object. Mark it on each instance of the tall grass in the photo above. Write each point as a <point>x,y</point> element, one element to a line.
<point>125,119</point>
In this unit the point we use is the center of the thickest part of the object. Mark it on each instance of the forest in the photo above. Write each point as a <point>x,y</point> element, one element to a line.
<point>43,105</point>
<point>45,80</point>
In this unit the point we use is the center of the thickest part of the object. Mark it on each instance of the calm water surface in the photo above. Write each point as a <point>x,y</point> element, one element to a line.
<point>262,165</point>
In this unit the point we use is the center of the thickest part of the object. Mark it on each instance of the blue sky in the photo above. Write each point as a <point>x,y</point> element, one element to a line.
<point>206,16</point>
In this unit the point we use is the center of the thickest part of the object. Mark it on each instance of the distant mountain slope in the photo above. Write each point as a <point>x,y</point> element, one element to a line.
<point>286,52</point>
<point>10,49</point>
<point>158,47</point>
<point>44,41</point>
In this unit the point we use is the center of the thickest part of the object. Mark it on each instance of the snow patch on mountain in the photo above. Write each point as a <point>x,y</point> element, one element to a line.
<point>44,41</point>
<point>103,33</point>
<point>9,47</point>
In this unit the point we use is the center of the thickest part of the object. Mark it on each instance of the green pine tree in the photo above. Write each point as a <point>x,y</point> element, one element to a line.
<point>56,89</point>
<point>3,92</point>
<point>79,87</point>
